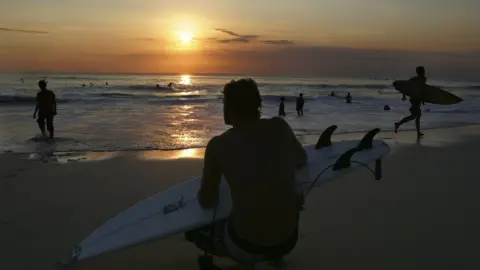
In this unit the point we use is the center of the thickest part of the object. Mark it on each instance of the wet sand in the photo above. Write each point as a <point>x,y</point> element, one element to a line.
<point>423,214</point>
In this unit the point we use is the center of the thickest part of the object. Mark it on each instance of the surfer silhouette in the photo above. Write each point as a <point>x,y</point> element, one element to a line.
<point>415,111</point>
<point>300,103</point>
<point>258,158</point>
<point>281,109</point>
<point>348,98</point>
<point>46,108</point>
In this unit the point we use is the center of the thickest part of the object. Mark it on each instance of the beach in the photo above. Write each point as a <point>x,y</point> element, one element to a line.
<point>423,214</point>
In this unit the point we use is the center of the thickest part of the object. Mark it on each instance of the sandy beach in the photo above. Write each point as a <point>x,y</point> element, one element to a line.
<point>423,214</point>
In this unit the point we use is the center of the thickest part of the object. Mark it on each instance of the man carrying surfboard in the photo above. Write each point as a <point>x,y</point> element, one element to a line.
<point>415,110</point>
<point>46,108</point>
<point>258,158</point>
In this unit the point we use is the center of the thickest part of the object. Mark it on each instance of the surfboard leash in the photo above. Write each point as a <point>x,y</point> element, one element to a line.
<point>375,173</point>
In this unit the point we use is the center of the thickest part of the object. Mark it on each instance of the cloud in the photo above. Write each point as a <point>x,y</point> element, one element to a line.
<point>238,38</point>
<point>23,31</point>
<point>279,42</point>
<point>231,33</point>
<point>146,39</point>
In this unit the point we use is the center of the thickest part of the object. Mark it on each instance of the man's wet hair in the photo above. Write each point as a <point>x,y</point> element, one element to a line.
<point>243,97</point>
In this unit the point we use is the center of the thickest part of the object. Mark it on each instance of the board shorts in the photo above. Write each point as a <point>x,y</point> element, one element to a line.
<point>227,243</point>
<point>415,111</point>
<point>45,118</point>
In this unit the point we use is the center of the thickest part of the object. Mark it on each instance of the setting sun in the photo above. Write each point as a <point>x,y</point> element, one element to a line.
<point>185,37</point>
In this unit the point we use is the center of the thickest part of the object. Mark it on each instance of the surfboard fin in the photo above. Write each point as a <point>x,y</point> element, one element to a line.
<point>325,138</point>
<point>344,161</point>
<point>367,140</point>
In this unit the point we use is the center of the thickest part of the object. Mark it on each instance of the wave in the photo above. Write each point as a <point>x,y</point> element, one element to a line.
<point>116,95</point>
<point>329,86</point>
<point>149,87</point>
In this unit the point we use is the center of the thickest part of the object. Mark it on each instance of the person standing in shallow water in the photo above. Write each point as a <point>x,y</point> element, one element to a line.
<point>348,98</point>
<point>46,108</point>
<point>281,109</point>
<point>258,158</point>
<point>415,110</point>
<point>300,103</point>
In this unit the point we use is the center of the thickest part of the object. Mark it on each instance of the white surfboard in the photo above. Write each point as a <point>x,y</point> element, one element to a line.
<point>176,210</point>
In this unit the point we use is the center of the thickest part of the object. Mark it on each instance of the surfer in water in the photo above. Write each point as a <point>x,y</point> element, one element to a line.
<point>281,109</point>
<point>348,98</point>
<point>300,103</point>
<point>46,108</point>
<point>258,158</point>
<point>415,111</point>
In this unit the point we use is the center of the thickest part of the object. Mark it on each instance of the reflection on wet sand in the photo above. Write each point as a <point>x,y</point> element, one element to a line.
<point>72,157</point>
<point>173,154</point>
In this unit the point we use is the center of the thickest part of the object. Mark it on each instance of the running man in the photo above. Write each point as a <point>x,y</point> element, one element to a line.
<point>46,108</point>
<point>415,110</point>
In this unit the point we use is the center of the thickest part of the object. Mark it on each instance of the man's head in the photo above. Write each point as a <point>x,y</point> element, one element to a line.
<point>42,84</point>
<point>282,99</point>
<point>420,71</point>
<point>241,102</point>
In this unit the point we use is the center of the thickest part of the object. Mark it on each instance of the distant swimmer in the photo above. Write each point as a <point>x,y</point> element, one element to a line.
<point>281,109</point>
<point>332,94</point>
<point>158,86</point>
<point>415,110</point>
<point>46,108</point>
<point>83,85</point>
<point>106,83</point>
<point>300,103</point>
<point>386,108</point>
<point>170,85</point>
<point>348,98</point>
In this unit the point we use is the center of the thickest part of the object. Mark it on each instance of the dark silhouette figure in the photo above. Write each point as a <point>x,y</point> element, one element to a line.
<point>106,83</point>
<point>170,85</point>
<point>332,94</point>
<point>415,111</point>
<point>386,108</point>
<point>158,86</point>
<point>258,158</point>
<point>83,85</point>
<point>300,103</point>
<point>348,98</point>
<point>281,109</point>
<point>46,108</point>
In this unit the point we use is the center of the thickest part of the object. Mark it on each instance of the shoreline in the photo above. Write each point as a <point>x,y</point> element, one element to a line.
<point>443,136</point>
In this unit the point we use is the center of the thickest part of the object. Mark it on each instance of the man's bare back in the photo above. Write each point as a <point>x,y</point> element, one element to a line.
<point>259,162</point>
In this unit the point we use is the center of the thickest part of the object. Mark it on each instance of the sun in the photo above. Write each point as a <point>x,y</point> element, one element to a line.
<point>185,37</point>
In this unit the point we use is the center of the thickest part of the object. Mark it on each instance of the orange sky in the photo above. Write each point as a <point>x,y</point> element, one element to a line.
<point>234,36</point>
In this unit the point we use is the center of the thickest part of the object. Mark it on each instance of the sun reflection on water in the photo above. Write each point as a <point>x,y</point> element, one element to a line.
<point>185,80</point>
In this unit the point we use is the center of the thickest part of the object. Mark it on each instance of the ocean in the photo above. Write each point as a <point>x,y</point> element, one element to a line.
<point>131,114</point>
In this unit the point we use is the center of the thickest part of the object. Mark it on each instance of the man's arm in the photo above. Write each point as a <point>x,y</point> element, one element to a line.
<point>54,104</point>
<point>298,152</point>
<point>36,109</point>
<point>212,174</point>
